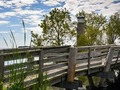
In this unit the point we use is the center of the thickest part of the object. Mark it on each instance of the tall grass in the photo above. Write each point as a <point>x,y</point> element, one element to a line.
<point>24,32</point>
<point>18,71</point>
<point>17,76</point>
<point>4,40</point>
<point>13,38</point>
<point>1,83</point>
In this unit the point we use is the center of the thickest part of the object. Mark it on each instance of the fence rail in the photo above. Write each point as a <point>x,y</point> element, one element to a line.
<point>56,62</point>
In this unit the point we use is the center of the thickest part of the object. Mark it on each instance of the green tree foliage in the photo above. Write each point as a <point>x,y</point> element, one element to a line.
<point>36,39</point>
<point>113,28</point>
<point>94,25</point>
<point>56,27</point>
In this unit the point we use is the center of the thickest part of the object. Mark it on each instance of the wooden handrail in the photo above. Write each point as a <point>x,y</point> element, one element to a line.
<point>58,61</point>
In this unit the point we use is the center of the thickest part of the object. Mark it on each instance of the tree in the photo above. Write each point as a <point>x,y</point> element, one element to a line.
<point>56,27</point>
<point>94,25</point>
<point>113,28</point>
<point>36,39</point>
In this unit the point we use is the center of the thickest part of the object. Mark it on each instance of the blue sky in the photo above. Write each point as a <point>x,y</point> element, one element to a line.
<point>31,11</point>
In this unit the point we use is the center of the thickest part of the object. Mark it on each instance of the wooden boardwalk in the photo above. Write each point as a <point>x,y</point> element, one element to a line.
<point>57,63</point>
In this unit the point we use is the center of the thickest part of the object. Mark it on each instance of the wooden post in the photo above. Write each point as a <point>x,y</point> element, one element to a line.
<point>108,64</point>
<point>1,67</point>
<point>40,67</point>
<point>90,80</point>
<point>91,83</point>
<point>72,64</point>
<point>88,61</point>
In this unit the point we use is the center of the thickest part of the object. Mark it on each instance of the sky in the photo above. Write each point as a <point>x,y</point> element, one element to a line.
<point>12,12</point>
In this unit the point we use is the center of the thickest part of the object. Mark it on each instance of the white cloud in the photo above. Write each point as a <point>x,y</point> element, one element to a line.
<point>34,19</point>
<point>31,16</point>
<point>2,3</point>
<point>51,2</point>
<point>4,32</point>
<point>15,25</point>
<point>35,29</point>
<point>97,1</point>
<point>71,4</point>
<point>4,22</point>
<point>7,14</point>
<point>17,3</point>
<point>74,6</point>
<point>98,6</point>
<point>20,11</point>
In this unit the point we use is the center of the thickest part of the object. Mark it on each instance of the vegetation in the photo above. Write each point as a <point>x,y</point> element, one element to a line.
<point>56,28</point>
<point>16,77</point>
<point>85,80</point>
<point>94,26</point>
<point>113,28</point>
<point>1,85</point>
<point>23,23</point>
<point>17,72</point>
<point>98,31</point>
<point>57,31</point>
<point>36,39</point>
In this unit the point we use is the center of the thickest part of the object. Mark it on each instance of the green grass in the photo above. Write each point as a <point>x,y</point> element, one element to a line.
<point>85,81</point>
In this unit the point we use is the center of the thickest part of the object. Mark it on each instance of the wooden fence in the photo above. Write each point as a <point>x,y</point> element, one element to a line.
<point>33,63</point>
<point>55,62</point>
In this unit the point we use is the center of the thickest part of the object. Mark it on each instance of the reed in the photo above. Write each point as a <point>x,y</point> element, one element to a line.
<point>18,76</point>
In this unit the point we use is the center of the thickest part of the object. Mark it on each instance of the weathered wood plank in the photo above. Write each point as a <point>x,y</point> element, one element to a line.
<point>57,58</point>
<point>19,55</point>
<point>93,47</point>
<point>55,66</point>
<point>55,54</point>
<point>18,49</point>
<point>84,55</point>
<point>57,74</point>
<point>92,59</point>
<point>116,47</point>
<point>92,67</point>
<point>30,82</point>
<point>55,47</point>
<point>56,50</point>
<point>104,50</point>
<point>84,65</point>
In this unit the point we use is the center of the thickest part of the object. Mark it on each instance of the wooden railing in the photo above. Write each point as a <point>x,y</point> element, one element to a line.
<point>19,63</point>
<point>91,56</point>
<point>56,62</point>
<point>33,63</point>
